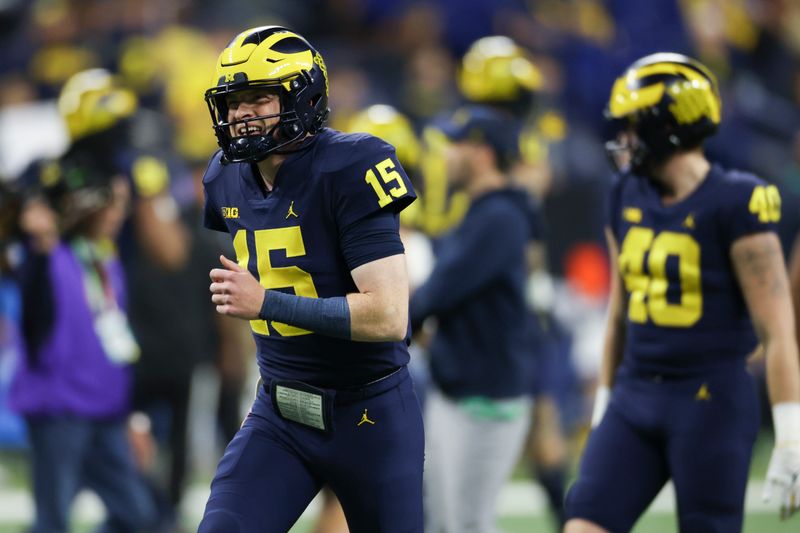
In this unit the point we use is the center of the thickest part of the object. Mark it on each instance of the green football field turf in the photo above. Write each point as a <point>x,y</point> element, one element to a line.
<point>650,523</point>
<point>756,521</point>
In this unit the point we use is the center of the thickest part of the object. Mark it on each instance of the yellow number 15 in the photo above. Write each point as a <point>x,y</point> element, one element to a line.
<point>648,290</point>
<point>388,174</point>
<point>267,240</point>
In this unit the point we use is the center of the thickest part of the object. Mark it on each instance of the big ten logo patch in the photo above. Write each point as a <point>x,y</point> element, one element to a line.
<point>230,212</point>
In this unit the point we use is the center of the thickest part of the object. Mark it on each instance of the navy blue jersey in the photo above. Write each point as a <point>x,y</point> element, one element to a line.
<point>536,220</point>
<point>291,240</point>
<point>685,311</point>
<point>476,291</point>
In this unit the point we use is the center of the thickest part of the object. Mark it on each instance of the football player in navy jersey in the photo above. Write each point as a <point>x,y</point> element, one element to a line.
<point>699,278</point>
<point>321,275</point>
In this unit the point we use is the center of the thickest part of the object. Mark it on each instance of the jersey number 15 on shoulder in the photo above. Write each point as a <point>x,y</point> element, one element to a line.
<point>267,240</point>
<point>648,289</point>
<point>386,169</point>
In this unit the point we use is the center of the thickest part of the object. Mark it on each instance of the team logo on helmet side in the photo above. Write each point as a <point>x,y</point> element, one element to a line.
<point>321,64</point>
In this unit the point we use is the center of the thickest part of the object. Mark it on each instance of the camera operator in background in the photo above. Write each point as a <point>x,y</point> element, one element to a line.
<point>73,383</point>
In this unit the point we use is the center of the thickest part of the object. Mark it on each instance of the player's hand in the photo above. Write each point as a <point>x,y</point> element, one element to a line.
<point>783,478</point>
<point>235,291</point>
<point>142,443</point>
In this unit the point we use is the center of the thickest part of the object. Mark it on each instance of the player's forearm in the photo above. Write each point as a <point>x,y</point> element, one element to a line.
<point>614,343</point>
<point>461,276</point>
<point>794,285</point>
<point>612,355</point>
<point>376,318</point>
<point>612,351</point>
<point>326,316</point>
<point>759,266</point>
<point>360,316</point>
<point>783,369</point>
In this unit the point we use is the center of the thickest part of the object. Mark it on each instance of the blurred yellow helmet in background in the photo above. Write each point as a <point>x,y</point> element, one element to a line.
<point>389,124</point>
<point>497,70</point>
<point>91,101</point>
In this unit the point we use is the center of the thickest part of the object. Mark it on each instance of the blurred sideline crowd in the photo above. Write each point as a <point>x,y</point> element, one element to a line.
<point>98,88</point>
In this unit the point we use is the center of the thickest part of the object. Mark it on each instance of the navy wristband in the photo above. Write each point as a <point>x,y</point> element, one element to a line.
<point>326,316</point>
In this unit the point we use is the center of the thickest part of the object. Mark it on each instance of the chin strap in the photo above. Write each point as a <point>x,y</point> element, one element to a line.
<point>300,145</point>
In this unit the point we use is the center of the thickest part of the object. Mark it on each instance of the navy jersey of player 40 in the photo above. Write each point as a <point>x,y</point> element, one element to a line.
<point>290,239</point>
<point>686,312</point>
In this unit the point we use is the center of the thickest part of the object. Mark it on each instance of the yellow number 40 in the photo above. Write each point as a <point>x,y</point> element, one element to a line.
<point>388,174</point>
<point>648,288</point>
<point>766,203</point>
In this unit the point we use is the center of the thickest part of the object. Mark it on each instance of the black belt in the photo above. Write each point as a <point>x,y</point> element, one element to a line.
<point>355,393</point>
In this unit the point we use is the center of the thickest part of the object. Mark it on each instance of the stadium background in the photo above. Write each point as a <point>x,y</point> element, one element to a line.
<point>406,53</point>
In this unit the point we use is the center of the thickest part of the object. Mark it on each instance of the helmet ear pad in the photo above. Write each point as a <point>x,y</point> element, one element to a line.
<point>307,97</point>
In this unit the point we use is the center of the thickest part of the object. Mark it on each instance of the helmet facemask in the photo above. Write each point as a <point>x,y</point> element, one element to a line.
<point>641,144</point>
<point>253,148</point>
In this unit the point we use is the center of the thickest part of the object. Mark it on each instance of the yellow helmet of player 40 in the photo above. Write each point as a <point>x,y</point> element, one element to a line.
<point>670,101</point>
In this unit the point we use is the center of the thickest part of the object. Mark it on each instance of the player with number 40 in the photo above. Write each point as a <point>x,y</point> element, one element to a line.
<point>698,280</point>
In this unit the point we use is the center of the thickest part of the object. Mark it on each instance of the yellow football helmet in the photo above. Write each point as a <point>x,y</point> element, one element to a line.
<point>670,101</point>
<point>495,70</point>
<point>270,58</point>
<point>92,101</point>
<point>389,124</point>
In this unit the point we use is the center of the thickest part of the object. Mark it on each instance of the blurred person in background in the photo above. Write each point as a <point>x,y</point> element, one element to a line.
<point>698,278</point>
<point>102,120</point>
<point>478,411</point>
<point>73,384</point>
<point>321,276</point>
<point>12,428</point>
<point>105,123</point>
<point>177,334</point>
<point>197,338</point>
<point>497,72</point>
